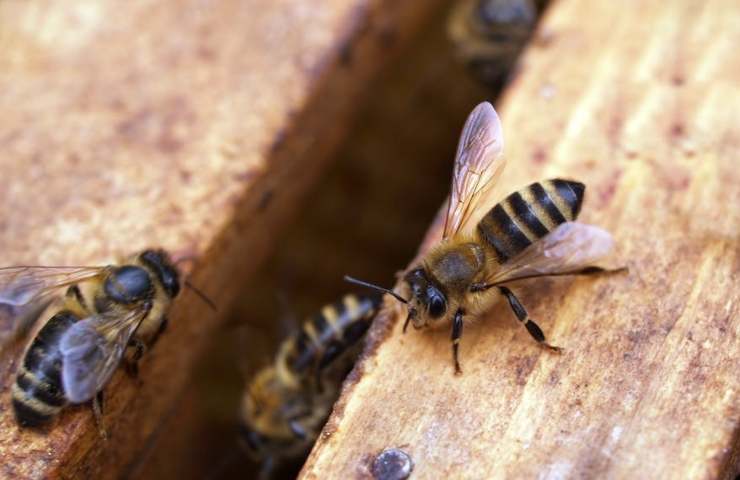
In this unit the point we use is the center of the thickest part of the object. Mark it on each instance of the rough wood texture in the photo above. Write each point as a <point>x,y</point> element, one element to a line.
<point>397,132</point>
<point>169,124</point>
<point>640,101</point>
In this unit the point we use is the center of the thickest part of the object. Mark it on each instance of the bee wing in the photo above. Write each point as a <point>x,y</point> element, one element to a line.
<point>28,284</point>
<point>91,351</point>
<point>25,291</point>
<point>16,322</point>
<point>570,247</point>
<point>477,163</point>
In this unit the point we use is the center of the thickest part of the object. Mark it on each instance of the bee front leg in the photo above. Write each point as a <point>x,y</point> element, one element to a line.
<point>457,329</point>
<point>160,330</point>
<point>523,316</point>
<point>132,366</point>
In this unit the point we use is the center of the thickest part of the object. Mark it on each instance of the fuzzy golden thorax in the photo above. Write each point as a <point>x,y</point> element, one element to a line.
<point>441,285</point>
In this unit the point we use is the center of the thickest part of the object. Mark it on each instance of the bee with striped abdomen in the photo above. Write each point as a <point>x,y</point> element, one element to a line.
<point>103,312</point>
<point>489,35</point>
<point>531,233</point>
<point>287,403</point>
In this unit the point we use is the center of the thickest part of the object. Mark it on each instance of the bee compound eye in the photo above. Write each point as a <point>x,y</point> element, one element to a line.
<point>165,271</point>
<point>437,303</point>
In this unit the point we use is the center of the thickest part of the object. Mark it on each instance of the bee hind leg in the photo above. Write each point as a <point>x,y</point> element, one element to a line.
<point>457,329</point>
<point>521,313</point>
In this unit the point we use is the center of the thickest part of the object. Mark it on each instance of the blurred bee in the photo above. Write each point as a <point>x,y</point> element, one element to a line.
<point>489,35</point>
<point>531,233</point>
<point>287,403</point>
<point>103,312</point>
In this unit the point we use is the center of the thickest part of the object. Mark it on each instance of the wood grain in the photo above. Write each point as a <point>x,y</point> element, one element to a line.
<point>172,124</point>
<point>640,101</point>
<point>396,132</point>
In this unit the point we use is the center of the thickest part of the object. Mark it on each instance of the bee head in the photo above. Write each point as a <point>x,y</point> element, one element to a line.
<point>428,302</point>
<point>163,267</point>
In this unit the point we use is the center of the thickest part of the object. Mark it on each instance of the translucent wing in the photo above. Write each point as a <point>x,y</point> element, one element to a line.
<point>16,322</point>
<point>476,165</point>
<point>91,351</point>
<point>24,285</point>
<point>570,247</point>
<point>26,291</point>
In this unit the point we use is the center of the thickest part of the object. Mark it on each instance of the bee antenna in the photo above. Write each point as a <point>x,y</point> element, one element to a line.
<point>202,295</point>
<point>398,297</point>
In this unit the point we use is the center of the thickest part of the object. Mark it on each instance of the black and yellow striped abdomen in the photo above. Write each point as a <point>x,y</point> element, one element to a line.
<point>38,394</point>
<point>325,336</point>
<point>528,215</point>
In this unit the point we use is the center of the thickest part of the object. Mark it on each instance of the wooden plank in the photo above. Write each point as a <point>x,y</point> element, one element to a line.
<point>640,101</point>
<point>168,124</point>
<point>396,132</point>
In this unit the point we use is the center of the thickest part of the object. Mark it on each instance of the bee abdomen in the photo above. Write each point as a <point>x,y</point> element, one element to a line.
<point>329,333</point>
<point>529,214</point>
<point>38,394</point>
<point>352,317</point>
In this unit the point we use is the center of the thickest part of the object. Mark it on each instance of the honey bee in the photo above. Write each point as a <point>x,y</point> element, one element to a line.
<point>287,403</point>
<point>489,35</point>
<point>104,311</point>
<point>529,234</point>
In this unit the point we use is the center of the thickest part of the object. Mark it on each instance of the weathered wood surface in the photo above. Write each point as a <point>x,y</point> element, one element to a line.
<point>170,124</point>
<point>396,133</point>
<point>640,100</point>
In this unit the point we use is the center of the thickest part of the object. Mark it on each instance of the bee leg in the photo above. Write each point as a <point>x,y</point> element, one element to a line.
<point>268,465</point>
<point>457,329</point>
<point>161,329</point>
<point>75,292</point>
<point>406,323</point>
<point>132,366</point>
<point>297,429</point>
<point>97,407</point>
<point>523,316</point>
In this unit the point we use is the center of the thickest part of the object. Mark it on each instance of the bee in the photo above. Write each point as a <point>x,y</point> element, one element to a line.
<point>104,311</point>
<point>531,233</point>
<point>489,35</point>
<point>287,403</point>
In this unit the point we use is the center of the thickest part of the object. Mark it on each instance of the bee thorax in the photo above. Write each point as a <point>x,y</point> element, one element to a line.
<point>456,268</point>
